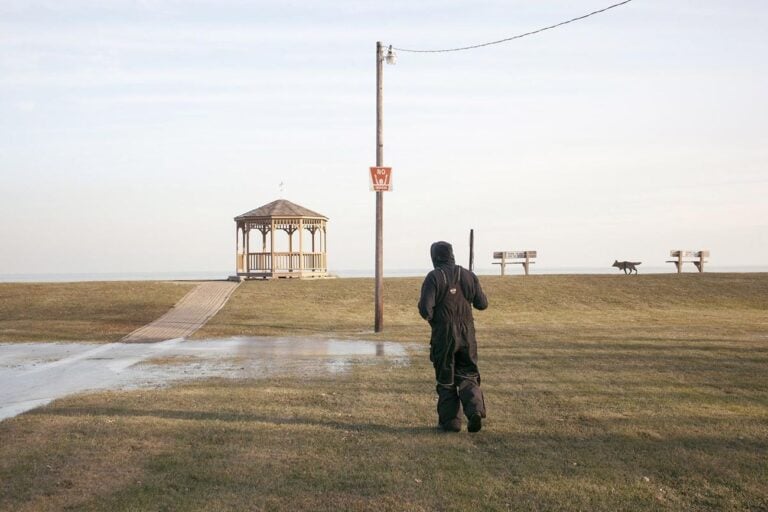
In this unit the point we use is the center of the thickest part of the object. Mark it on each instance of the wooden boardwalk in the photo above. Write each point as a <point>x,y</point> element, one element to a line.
<point>187,316</point>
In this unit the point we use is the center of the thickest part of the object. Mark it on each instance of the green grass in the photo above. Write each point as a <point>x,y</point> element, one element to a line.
<point>604,393</point>
<point>98,311</point>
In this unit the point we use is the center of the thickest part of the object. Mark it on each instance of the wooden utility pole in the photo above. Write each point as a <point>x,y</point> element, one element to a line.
<point>378,323</point>
<point>471,250</point>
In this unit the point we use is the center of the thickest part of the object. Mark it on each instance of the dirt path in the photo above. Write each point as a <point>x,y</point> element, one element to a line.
<point>187,316</point>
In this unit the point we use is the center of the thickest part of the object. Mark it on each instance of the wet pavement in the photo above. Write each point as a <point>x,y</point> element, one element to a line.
<point>34,374</point>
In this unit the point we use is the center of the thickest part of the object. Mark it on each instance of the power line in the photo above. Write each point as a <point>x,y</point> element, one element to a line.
<point>517,36</point>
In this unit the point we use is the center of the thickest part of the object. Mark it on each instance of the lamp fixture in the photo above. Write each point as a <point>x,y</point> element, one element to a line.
<point>391,56</point>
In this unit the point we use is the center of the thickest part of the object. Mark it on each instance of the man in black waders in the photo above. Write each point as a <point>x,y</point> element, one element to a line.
<point>447,297</point>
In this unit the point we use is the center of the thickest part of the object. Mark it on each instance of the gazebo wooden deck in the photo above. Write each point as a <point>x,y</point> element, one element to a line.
<point>269,263</point>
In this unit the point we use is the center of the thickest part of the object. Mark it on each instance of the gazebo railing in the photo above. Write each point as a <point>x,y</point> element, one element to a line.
<point>286,261</point>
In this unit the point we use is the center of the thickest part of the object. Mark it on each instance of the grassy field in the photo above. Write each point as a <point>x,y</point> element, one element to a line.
<point>567,308</point>
<point>98,311</point>
<point>604,393</point>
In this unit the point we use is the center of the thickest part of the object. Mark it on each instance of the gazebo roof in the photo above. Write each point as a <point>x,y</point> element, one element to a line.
<point>280,208</point>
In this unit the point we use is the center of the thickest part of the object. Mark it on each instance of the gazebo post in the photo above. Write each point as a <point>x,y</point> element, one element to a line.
<point>325,247</point>
<point>242,246</point>
<point>313,231</point>
<point>301,246</point>
<point>248,250</point>
<point>272,248</point>
<point>238,263</point>
<point>291,229</point>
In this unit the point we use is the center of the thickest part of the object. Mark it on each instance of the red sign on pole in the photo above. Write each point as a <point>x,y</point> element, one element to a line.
<point>381,179</point>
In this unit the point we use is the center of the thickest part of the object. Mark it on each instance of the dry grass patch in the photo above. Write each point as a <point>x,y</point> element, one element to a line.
<point>177,360</point>
<point>100,311</point>
<point>594,307</point>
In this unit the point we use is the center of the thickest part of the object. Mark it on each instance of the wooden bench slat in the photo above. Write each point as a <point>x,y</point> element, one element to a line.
<point>514,254</point>
<point>689,254</point>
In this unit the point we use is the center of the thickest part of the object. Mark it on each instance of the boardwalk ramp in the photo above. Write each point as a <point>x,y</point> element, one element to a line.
<point>187,316</point>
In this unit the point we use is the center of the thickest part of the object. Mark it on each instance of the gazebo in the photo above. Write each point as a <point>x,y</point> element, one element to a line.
<point>274,260</point>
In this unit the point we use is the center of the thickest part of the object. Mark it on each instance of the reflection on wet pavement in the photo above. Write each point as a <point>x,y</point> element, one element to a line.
<point>33,374</point>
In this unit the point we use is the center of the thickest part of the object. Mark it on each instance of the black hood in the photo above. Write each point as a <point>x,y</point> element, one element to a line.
<point>442,254</point>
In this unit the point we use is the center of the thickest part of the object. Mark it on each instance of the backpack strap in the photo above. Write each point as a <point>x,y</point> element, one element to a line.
<point>458,276</point>
<point>442,291</point>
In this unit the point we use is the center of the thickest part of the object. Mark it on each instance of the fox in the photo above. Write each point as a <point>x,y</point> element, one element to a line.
<point>626,265</point>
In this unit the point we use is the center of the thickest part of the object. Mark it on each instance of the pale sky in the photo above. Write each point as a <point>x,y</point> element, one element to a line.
<point>132,132</point>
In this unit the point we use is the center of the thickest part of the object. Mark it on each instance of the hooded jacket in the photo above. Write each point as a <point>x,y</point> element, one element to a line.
<point>437,284</point>
<point>447,296</point>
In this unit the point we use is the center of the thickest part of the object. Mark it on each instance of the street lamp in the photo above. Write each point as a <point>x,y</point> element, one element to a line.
<point>390,58</point>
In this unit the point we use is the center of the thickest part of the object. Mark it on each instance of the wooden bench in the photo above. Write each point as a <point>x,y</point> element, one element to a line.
<point>680,258</point>
<point>517,258</point>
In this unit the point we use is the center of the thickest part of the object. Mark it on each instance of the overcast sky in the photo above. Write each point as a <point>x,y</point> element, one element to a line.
<point>132,132</point>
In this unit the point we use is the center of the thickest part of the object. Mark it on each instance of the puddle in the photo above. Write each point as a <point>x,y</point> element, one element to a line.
<point>33,374</point>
